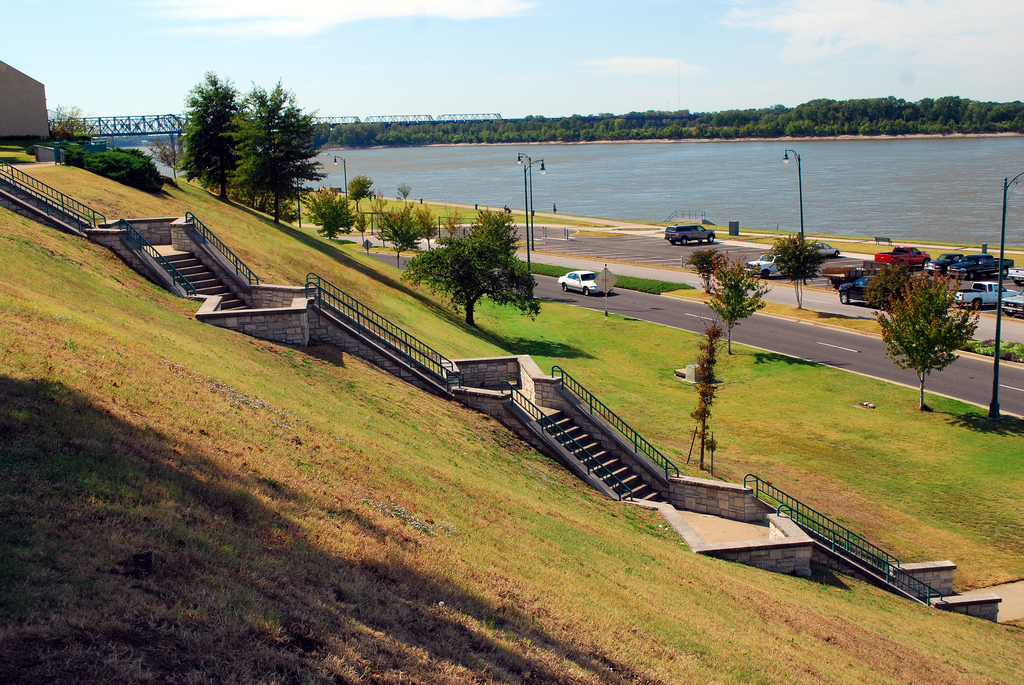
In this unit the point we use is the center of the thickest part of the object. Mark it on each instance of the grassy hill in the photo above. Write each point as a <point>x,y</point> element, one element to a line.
<point>183,503</point>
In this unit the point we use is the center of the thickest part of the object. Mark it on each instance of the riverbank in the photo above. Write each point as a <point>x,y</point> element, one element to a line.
<point>779,139</point>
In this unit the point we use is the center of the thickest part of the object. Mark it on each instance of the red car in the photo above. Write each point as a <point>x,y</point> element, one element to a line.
<point>909,255</point>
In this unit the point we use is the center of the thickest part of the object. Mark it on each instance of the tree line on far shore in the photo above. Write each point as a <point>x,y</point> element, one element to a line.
<point>817,118</point>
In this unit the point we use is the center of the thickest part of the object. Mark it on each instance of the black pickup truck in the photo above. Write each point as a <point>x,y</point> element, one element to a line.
<point>684,233</point>
<point>975,266</point>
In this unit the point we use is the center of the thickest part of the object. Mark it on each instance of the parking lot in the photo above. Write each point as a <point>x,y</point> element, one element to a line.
<point>655,250</point>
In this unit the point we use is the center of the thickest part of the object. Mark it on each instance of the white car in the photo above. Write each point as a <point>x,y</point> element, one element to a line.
<point>764,265</point>
<point>826,250</point>
<point>581,282</point>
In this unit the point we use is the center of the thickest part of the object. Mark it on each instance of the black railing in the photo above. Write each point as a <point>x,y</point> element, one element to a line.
<point>51,198</point>
<point>140,243</point>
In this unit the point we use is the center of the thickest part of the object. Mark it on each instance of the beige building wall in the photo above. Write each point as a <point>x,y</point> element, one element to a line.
<point>22,105</point>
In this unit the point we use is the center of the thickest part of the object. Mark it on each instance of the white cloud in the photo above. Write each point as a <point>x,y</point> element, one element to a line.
<point>644,66</point>
<point>299,18</point>
<point>936,32</point>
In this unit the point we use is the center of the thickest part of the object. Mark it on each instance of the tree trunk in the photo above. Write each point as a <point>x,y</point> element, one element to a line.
<point>469,312</point>
<point>799,295</point>
<point>277,208</point>
<point>729,339</point>
<point>223,184</point>
<point>398,259</point>
<point>920,377</point>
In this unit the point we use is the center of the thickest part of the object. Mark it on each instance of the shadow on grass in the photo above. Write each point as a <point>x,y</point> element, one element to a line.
<point>774,358</point>
<point>980,423</point>
<point>130,555</point>
<point>823,575</point>
<point>541,348</point>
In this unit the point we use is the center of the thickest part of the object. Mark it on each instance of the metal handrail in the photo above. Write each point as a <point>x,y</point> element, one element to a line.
<point>548,425</point>
<point>416,352</point>
<point>841,537</point>
<point>51,197</point>
<point>208,236</point>
<point>640,444</point>
<point>141,243</point>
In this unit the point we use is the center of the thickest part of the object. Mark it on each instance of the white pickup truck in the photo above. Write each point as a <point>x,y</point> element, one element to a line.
<point>980,294</point>
<point>764,265</point>
<point>1017,275</point>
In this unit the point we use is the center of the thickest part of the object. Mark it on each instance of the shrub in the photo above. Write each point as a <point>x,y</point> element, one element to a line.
<point>74,155</point>
<point>130,167</point>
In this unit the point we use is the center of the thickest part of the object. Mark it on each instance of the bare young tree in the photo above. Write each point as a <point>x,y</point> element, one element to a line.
<point>706,387</point>
<point>169,152</point>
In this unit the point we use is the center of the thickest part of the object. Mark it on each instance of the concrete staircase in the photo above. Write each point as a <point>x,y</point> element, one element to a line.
<point>205,281</point>
<point>615,466</point>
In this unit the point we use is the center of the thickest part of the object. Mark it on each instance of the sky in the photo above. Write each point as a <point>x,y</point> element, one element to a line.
<point>515,57</point>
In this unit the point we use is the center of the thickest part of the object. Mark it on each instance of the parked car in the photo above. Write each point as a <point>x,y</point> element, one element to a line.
<point>854,292</point>
<point>826,250</point>
<point>581,282</point>
<point>1017,275</point>
<point>902,253</point>
<point>1014,306</point>
<point>681,233</point>
<point>764,265</point>
<point>945,260</point>
<point>981,294</point>
<point>975,266</point>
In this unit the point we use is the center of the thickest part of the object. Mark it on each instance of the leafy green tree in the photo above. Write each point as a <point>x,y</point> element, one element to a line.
<point>797,261</point>
<point>481,264</point>
<point>209,133</point>
<point>275,146</point>
<point>425,222</point>
<point>923,330</point>
<point>360,224</point>
<point>360,188</point>
<point>736,293</point>
<point>452,224</point>
<point>399,227</point>
<point>888,284</point>
<point>332,211</point>
<point>403,191</point>
<point>704,262</point>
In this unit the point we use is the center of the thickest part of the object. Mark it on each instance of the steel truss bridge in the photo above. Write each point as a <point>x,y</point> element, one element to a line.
<point>171,124</point>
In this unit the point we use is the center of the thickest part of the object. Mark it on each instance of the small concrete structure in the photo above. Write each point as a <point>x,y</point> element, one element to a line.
<point>22,105</point>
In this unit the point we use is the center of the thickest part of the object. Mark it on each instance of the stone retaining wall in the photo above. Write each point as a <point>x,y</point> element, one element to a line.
<point>284,324</point>
<point>157,231</point>
<point>263,296</point>
<point>717,498</point>
<point>114,240</point>
<point>15,204</point>
<point>937,574</point>
<point>984,605</point>
<point>488,372</point>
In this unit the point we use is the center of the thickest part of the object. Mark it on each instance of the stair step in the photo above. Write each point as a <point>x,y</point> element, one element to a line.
<point>214,290</point>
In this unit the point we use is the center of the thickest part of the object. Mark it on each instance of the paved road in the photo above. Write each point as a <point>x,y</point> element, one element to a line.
<point>967,379</point>
<point>592,253</point>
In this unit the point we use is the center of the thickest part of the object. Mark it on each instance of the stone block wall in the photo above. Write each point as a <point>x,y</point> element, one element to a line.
<point>156,231</point>
<point>717,498</point>
<point>937,574</point>
<point>488,372</point>
<point>182,239</point>
<point>114,240</point>
<point>286,324</point>
<point>787,550</point>
<point>983,605</point>
<point>17,205</point>
<point>542,389</point>
<point>265,296</point>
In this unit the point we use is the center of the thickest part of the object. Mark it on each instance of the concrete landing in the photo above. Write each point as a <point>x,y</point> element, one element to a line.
<point>1012,606</point>
<point>715,529</point>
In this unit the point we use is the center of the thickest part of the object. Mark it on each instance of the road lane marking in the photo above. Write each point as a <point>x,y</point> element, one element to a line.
<point>838,347</point>
<point>1010,387</point>
<point>703,318</point>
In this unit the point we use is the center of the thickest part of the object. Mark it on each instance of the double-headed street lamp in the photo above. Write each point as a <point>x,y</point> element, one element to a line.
<point>800,178</point>
<point>527,164</point>
<point>993,407</point>
<point>344,168</point>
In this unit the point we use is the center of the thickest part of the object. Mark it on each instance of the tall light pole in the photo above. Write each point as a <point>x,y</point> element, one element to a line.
<point>344,168</point>
<point>527,164</point>
<point>800,180</point>
<point>993,407</point>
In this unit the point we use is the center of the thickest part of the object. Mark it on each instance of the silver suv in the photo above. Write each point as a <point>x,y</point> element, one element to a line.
<point>684,233</point>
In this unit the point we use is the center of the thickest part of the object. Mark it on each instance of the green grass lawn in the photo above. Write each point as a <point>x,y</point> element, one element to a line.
<point>313,519</point>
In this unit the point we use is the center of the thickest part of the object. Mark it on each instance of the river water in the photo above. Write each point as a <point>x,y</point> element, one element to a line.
<point>943,189</point>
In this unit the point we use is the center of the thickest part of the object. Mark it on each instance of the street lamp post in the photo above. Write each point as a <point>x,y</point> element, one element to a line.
<point>344,168</point>
<point>993,407</point>
<point>527,164</point>
<point>800,180</point>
